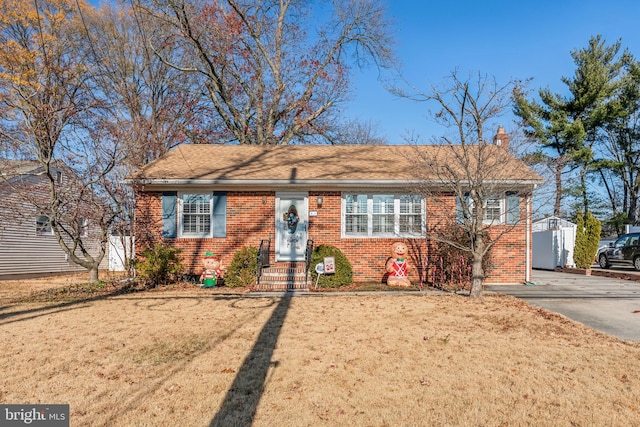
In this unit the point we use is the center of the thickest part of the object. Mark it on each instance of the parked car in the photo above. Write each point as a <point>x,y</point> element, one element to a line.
<point>624,251</point>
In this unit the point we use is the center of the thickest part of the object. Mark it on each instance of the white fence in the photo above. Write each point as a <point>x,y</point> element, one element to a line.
<point>120,249</point>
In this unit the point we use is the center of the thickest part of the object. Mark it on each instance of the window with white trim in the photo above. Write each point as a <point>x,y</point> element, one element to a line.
<point>503,208</point>
<point>196,215</point>
<point>493,210</point>
<point>43,226</point>
<point>383,215</point>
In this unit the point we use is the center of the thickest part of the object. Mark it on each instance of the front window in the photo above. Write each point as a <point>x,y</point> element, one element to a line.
<point>356,216</point>
<point>383,215</point>
<point>502,208</point>
<point>196,215</point>
<point>493,210</point>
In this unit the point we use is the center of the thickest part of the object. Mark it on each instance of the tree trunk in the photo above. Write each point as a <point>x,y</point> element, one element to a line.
<point>93,274</point>
<point>583,189</point>
<point>558,201</point>
<point>477,276</point>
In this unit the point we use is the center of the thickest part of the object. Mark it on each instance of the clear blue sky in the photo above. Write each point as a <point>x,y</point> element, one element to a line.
<point>505,39</point>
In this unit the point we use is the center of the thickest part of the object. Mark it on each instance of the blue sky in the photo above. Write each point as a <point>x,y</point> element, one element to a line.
<point>504,39</point>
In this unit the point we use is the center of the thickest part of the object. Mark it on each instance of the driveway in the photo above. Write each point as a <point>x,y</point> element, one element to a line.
<point>606,304</point>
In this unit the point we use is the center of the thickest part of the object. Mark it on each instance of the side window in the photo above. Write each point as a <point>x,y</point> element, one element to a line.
<point>83,227</point>
<point>622,242</point>
<point>43,226</point>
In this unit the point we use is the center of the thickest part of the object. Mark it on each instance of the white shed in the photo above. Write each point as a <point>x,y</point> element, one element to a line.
<point>553,240</point>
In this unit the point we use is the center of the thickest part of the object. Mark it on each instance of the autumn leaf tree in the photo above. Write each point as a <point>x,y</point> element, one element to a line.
<point>47,99</point>
<point>268,77</point>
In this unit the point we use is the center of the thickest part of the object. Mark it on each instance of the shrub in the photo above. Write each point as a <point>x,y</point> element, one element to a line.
<point>344,272</point>
<point>159,265</point>
<point>587,240</point>
<point>243,268</point>
<point>449,267</point>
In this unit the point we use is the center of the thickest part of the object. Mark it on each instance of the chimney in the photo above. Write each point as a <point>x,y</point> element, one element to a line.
<point>502,138</point>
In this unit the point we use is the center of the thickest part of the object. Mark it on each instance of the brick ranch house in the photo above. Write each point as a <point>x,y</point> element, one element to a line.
<point>358,198</point>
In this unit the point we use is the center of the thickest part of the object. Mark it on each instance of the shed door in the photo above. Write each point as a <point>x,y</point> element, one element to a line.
<point>292,222</point>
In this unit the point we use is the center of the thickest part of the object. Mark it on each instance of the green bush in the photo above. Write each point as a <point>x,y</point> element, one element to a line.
<point>243,269</point>
<point>587,240</point>
<point>344,272</point>
<point>159,265</point>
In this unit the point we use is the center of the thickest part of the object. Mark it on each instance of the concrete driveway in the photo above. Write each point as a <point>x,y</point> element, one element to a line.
<point>606,304</point>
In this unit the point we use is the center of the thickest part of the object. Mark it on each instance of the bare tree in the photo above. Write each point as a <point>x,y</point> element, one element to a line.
<point>478,172</point>
<point>269,79</point>
<point>148,105</point>
<point>47,99</point>
<point>355,132</point>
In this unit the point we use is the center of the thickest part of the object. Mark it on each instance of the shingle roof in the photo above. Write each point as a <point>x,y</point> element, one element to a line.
<point>12,168</point>
<point>295,164</point>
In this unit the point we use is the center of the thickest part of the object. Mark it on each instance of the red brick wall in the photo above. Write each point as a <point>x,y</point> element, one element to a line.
<point>250,218</point>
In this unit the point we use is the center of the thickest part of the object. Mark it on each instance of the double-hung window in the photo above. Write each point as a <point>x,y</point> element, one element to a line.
<point>503,208</point>
<point>194,214</point>
<point>382,215</point>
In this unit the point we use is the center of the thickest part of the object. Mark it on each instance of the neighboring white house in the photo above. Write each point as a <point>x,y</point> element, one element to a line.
<point>553,240</point>
<point>27,243</point>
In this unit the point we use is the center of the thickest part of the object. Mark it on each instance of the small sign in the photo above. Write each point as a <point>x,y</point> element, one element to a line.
<point>329,265</point>
<point>313,213</point>
<point>34,415</point>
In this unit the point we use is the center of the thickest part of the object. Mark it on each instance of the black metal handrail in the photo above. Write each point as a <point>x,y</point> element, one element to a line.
<point>263,257</point>
<point>307,259</point>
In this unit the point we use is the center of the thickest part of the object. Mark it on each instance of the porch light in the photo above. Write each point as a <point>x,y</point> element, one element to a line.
<point>319,201</point>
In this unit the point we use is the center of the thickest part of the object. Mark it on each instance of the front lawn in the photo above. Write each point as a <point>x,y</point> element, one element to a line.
<point>191,357</point>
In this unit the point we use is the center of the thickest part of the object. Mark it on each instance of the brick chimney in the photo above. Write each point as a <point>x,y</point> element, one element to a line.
<point>502,138</point>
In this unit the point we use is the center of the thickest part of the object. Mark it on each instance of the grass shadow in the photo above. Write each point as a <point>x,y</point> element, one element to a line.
<point>242,399</point>
<point>65,298</point>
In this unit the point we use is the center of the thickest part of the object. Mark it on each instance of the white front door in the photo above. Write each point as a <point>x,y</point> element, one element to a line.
<point>292,222</point>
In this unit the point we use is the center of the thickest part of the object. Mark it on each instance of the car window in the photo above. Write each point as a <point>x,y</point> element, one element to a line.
<point>621,242</point>
<point>633,241</point>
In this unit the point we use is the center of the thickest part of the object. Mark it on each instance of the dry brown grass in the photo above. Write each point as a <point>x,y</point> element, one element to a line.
<point>193,357</point>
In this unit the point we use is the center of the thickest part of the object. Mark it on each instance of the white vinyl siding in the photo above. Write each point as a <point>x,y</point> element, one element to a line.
<point>23,252</point>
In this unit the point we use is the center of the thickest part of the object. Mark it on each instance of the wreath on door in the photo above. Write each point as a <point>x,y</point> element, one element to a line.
<point>291,218</point>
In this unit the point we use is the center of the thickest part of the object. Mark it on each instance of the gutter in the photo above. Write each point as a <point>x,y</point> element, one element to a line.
<point>271,183</point>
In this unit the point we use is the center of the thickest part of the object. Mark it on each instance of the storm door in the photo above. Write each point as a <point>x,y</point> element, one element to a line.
<point>292,222</point>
